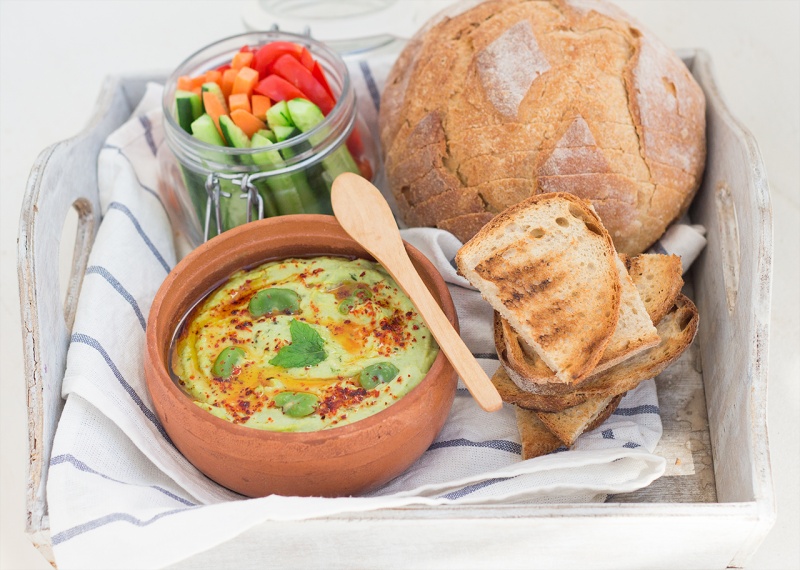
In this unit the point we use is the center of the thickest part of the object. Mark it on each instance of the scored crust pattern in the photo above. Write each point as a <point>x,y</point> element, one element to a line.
<point>513,98</point>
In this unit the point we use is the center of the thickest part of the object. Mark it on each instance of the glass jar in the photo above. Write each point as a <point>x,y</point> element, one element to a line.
<point>208,188</point>
<point>314,9</point>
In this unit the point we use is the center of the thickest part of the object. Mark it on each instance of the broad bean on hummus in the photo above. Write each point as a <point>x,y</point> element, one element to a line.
<point>303,344</point>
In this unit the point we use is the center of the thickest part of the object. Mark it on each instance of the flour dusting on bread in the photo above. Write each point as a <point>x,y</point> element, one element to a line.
<point>509,66</point>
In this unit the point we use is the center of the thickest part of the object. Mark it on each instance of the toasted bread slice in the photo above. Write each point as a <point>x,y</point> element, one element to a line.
<point>520,358</point>
<point>536,439</point>
<point>677,330</point>
<point>634,333</point>
<point>547,265</point>
<point>658,279</point>
<point>568,424</point>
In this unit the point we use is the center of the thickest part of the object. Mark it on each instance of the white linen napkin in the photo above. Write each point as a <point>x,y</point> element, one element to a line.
<point>121,496</point>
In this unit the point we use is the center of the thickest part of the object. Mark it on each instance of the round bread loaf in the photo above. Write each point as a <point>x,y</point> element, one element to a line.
<point>512,98</point>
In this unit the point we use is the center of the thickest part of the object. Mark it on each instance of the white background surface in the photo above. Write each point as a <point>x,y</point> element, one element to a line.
<point>55,54</point>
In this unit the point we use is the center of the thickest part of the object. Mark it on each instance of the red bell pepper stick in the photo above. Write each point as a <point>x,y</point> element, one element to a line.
<point>269,53</point>
<point>306,59</point>
<point>319,75</point>
<point>295,72</point>
<point>278,89</point>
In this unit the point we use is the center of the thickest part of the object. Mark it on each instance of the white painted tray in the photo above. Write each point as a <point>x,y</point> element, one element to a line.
<point>712,509</point>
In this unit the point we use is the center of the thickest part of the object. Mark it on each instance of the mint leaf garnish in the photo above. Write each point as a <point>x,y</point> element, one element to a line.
<point>306,349</point>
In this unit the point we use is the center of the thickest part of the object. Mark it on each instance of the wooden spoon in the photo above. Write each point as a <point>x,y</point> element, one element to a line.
<point>366,217</point>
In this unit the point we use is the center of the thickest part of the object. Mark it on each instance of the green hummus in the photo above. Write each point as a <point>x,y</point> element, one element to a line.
<point>302,345</point>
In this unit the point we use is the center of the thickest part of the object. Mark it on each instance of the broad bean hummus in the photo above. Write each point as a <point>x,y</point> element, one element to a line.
<point>303,344</point>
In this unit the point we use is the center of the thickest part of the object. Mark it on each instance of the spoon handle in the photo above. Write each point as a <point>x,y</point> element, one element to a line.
<point>372,224</point>
<point>465,364</point>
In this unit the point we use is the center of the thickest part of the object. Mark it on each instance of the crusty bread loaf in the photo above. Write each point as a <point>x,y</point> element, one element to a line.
<point>548,266</point>
<point>512,98</point>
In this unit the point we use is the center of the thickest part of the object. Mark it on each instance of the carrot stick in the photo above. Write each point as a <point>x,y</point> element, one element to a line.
<point>247,122</point>
<point>245,80</point>
<point>214,107</point>
<point>185,83</point>
<point>242,59</point>
<point>214,76</point>
<point>239,101</point>
<point>260,106</point>
<point>228,77</point>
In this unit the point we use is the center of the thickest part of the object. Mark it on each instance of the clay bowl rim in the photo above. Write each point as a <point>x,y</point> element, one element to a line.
<point>159,358</point>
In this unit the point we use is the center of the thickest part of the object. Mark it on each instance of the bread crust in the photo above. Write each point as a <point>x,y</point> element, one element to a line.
<point>557,96</point>
<point>569,424</point>
<point>535,438</point>
<point>658,294</point>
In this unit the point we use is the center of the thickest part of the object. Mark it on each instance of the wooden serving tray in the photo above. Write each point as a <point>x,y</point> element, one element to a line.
<point>713,507</point>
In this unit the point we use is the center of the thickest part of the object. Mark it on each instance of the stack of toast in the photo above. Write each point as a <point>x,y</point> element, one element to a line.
<point>576,324</point>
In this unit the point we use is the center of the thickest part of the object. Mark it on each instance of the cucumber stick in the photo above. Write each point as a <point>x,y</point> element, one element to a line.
<point>268,134</point>
<point>204,129</point>
<point>237,138</point>
<point>278,116</point>
<point>234,136</point>
<point>290,192</point>
<point>284,133</point>
<point>188,107</point>
<point>233,209</point>
<point>315,197</point>
<point>315,200</point>
<point>305,116</point>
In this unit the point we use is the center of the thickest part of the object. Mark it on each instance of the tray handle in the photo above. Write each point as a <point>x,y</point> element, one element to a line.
<point>63,177</point>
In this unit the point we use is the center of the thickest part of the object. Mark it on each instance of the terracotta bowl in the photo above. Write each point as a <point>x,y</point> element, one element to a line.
<point>345,460</point>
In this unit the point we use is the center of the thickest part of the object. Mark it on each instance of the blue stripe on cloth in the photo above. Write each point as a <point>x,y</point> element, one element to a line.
<point>148,134</point>
<point>124,209</point>
<point>371,86</point>
<point>631,445</point>
<point>65,535</point>
<point>657,248</point>
<point>644,409</point>
<point>499,444</point>
<point>472,488</point>
<point>135,175</point>
<point>485,355</point>
<point>607,434</point>
<point>104,273</point>
<point>89,341</point>
<point>81,466</point>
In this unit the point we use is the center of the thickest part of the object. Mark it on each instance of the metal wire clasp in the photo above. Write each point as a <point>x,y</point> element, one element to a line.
<point>215,193</point>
